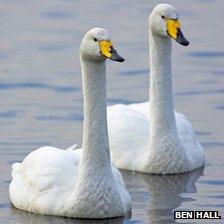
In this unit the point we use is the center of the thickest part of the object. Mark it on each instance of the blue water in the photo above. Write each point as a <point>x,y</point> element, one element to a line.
<point>41,98</point>
<point>34,85</point>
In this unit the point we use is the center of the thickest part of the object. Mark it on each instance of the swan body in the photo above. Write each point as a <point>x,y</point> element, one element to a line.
<point>129,129</point>
<point>150,137</point>
<point>79,183</point>
<point>44,182</point>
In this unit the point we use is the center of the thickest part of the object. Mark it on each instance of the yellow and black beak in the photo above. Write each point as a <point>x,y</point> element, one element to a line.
<point>107,50</point>
<point>173,30</point>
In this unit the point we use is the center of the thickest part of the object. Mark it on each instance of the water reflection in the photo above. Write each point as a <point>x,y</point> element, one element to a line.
<point>22,217</point>
<point>209,54</point>
<point>165,192</point>
<point>35,85</point>
<point>134,72</point>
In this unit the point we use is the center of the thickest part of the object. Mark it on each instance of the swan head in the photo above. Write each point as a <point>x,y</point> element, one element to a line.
<point>97,46</point>
<point>164,22</point>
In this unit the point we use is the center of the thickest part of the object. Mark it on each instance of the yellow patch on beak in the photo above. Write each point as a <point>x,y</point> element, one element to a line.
<point>105,48</point>
<point>172,27</point>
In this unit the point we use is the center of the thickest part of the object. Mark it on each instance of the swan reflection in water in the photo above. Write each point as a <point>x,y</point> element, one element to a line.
<point>22,217</point>
<point>164,193</point>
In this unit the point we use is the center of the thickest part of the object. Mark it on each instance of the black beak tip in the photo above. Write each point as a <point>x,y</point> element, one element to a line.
<point>185,43</point>
<point>181,39</point>
<point>121,59</point>
<point>115,56</point>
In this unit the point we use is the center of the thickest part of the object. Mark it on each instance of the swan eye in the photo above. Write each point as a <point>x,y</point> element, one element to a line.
<point>95,39</point>
<point>163,17</point>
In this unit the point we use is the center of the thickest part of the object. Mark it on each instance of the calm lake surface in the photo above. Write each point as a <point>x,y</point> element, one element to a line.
<point>41,98</point>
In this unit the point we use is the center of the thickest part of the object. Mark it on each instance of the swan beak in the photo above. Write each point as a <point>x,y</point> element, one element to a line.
<point>173,30</point>
<point>107,50</point>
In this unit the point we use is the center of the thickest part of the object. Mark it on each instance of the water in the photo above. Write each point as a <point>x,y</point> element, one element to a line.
<point>41,101</point>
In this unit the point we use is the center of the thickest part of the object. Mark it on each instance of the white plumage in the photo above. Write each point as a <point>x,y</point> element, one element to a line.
<point>78,183</point>
<point>150,137</point>
<point>129,137</point>
<point>45,182</point>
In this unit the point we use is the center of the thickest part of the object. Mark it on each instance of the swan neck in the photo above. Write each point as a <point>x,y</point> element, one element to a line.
<point>161,99</point>
<point>95,135</point>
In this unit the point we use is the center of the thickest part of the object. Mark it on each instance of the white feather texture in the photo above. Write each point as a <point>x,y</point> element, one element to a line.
<point>76,183</point>
<point>151,137</point>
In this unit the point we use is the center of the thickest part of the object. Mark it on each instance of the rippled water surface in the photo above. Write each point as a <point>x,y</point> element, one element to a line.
<point>41,99</point>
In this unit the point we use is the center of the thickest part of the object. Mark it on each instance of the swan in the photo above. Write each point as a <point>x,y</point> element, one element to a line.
<point>150,137</point>
<point>77,183</point>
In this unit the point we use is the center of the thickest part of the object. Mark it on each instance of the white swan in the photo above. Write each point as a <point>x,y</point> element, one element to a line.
<point>51,181</point>
<point>153,138</point>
